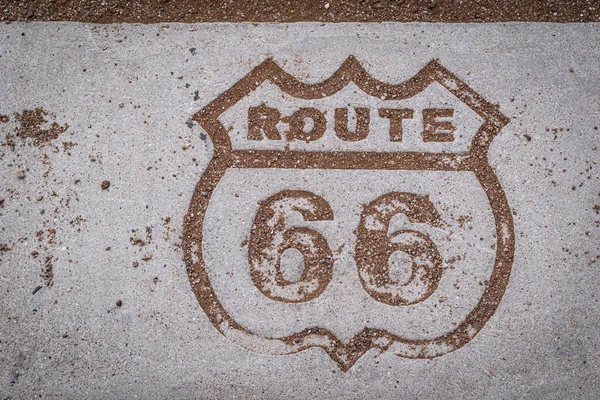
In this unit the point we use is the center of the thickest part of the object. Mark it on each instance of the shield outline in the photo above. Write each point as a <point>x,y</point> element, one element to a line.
<point>475,160</point>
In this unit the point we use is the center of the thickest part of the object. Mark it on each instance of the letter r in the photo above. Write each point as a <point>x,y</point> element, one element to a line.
<point>263,119</point>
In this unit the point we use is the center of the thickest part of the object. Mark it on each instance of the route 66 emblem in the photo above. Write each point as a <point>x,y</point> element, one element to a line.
<point>349,214</point>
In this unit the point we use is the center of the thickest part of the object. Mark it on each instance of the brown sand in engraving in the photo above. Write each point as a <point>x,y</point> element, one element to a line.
<point>318,259</point>
<point>346,354</point>
<point>374,246</point>
<point>150,11</point>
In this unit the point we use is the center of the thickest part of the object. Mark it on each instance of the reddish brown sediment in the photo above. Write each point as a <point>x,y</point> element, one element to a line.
<point>157,11</point>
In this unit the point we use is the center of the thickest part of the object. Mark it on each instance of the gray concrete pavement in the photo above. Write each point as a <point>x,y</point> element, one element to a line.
<point>95,298</point>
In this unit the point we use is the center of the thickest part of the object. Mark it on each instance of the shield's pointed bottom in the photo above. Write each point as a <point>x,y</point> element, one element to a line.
<point>345,355</point>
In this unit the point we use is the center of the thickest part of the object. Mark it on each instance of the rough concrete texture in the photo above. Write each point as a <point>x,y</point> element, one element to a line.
<point>95,298</point>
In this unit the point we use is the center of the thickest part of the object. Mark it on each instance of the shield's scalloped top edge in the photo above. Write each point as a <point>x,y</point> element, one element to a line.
<point>351,70</point>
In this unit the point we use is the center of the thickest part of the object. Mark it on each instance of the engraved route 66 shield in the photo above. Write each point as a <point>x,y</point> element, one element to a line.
<point>349,214</point>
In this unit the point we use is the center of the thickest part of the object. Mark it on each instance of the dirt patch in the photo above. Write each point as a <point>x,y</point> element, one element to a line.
<point>153,11</point>
<point>32,124</point>
<point>46,239</point>
<point>48,271</point>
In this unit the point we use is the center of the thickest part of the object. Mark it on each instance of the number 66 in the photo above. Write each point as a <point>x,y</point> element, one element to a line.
<point>374,247</point>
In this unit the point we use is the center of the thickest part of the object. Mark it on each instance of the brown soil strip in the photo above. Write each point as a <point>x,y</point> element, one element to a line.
<point>156,11</point>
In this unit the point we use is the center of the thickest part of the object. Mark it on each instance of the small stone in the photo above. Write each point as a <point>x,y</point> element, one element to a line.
<point>39,198</point>
<point>105,185</point>
<point>21,174</point>
<point>119,303</point>
<point>135,264</point>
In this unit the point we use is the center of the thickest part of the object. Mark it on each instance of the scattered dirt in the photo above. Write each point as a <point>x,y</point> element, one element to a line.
<point>138,241</point>
<point>38,128</point>
<point>31,126</point>
<point>168,231</point>
<point>48,271</point>
<point>46,239</point>
<point>153,11</point>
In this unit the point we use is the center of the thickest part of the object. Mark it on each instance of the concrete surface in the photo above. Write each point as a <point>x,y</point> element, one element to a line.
<point>118,317</point>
